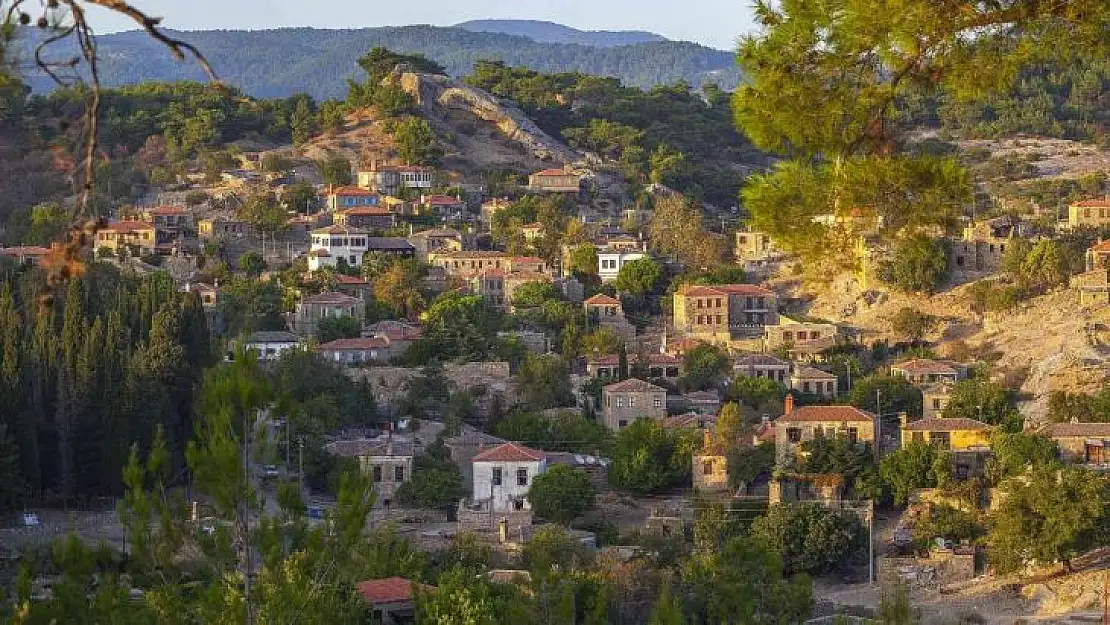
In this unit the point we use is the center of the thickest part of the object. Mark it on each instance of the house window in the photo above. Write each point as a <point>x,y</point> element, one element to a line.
<point>942,440</point>
<point>918,437</point>
<point>497,476</point>
<point>522,477</point>
<point>794,435</point>
<point>707,467</point>
<point>518,504</point>
<point>936,403</point>
<point>377,474</point>
<point>853,435</point>
<point>623,423</point>
<point>787,336</point>
<point>805,387</point>
<point>657,402</point>
<point>398,474</point>
<point>631,401</point>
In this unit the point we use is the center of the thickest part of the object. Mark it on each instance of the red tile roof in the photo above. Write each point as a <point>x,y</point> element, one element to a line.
<point>510,452</point>
<point>332,298</point>
<point>440,200</point>
<point>925,366</point>
<point>701,290</point>
<point>947,425</point>
<point>407,169</point>
<point>167,210</point>
<point>395,330</point>
<point>340,230</point>
<point>350,191</point>
<point>361,343</point>
<point>555,172</point>
<point>367,211</point>
<point>837,414</point>
<point>1093,204</point>
<point>602,299</point>
<point>811,373</point>
<point>389,590</point>
<point>24,250</point>
<point>1101,246</point>
<point>527,259</point>
<point>343,278</point>
<point>128,226</point>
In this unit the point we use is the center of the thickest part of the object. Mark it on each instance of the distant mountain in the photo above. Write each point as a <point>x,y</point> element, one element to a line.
<point>550,32</point>
<point>281,62</point>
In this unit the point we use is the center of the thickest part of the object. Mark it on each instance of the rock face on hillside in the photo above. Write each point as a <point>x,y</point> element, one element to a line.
<point>442,92</point>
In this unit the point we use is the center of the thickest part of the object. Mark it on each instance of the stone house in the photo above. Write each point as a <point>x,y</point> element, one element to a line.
<point>391,246</point>
<point>925,371</point>
<point>632,399</point>
<point>607,312</point>
<point>763,366</point>
<point>698,402</point>
<point>793,334</point>
<point>386,459</point>
<point>136,238</point>
<point>1091,213</point>
<point>798,425</point>
<point>812,381</point>
<point>391,599</point>
<point>555,181</point>
<point>983,245</point>
<point>208,294</point>
<point>710,465</point>
<point>469,263</point>
<point>797,487</point>
<point>440,204</point>
<point>1094,284</point>
<point>934,398</point>
<point>491,207</point>
<point>723,313</point>
<point>504,474</point>
<point>312,309</point>
<point>1082,443</point>
<point>436,241</point>
<point>353,286</point>
<point>497,286</point>
<point>223,228</point>
<point>173,219</point>
<point>399,334</point>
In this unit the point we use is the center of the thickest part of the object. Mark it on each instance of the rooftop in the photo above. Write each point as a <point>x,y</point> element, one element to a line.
<point>344,279</point>
<point>634,385</point>
<point>701,290</point>
<point>167,210</point>
<point>395,330</point>
<point>1093,204</point>
<point>760,360</point>
<point>838,414</point>
<point>362,342</point>
<point>382,446</point>
<point>389,243</point>
<point>925,366</point>
<point>1101,246</point>
<point>947,425</point>
<point>555,172</point>
<point>350,191</point>
<point>332,298</point>
<point>24,250</point>
<point>510,452</point>
<point>367,211</point>
<point>1064,430</point>
<point>812,373</point>
<point>340,230</point>
<point>273,337</point>
<point>389,590</point>
<point>128,226</point>
<point>602,299</point>
<point>440,200</point>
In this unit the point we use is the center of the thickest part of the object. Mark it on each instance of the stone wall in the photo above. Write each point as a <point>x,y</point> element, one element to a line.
<point>941,567</point>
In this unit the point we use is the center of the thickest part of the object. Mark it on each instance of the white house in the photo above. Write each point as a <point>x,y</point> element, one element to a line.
<point>505,473</point>
<point>610,260</point>
<point>271,345</point>
<point>334,242</point>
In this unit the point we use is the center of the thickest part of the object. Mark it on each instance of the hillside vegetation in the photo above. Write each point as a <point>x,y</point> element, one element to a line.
<point>276,63</point>
<point>550,32</point>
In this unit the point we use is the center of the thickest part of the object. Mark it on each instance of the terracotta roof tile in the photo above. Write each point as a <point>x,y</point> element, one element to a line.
<point>363,342</point>
<point>602,299</point>
<point>389,590</point>
<point>633,385</point>
<point>1068,430</point>
<point>811,373</point>
<point>827,413</point>
<point>510,452</point>
<point>1093,204</point>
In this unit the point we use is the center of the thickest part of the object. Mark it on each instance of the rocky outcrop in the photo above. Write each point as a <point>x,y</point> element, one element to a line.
<point>433,92</point>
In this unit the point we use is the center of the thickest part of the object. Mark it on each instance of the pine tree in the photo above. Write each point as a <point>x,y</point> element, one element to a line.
<point>302,123</point>
<point>667,610</point>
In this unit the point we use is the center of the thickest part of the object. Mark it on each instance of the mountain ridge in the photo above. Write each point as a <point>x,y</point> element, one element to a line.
<point>281,62</point>
<point>543,31</point>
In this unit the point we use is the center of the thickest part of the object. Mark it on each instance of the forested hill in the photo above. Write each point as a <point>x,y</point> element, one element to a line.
<point>550,32</point>
<point>276,63</point>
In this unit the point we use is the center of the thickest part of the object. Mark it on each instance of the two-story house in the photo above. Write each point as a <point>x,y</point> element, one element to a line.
<point>983,245</point>
<point>271,345</point>
<point>386,459</point>
<point>629,400</point>
<point>343,198</point>
<point>312,309</point>
<point>337,242</point>
<point>1094,283</point>
<point>136,238</point>
<point>1089,213</point>
<point>390,179</point>
<point>222,228</point>
<point>356,351</point>
<point>1081,443</point>
<point>798,425</point>
<point>813,381</point>
<point>925,371</point>
<point>555,181</point>
<point>497,286</point>
<point>610,260</point>
<point>436,241</point>
<point>763,366</point>
<point>724,313</point>
<point>710,464</point>
<point>169,218</point>
<point>369,217</point>
<point>440,204</point>
<point>966,441</point>
<point>502,475</point>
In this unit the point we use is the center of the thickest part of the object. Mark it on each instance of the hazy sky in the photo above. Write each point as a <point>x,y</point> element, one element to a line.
<point>711,22</point>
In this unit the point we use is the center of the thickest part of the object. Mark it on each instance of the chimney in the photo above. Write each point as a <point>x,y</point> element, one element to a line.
<point>788,405</point>
<point>765,419</point>
<point>707,440</point>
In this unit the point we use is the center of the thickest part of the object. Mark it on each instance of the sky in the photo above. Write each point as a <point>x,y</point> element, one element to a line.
<point>715,23</point>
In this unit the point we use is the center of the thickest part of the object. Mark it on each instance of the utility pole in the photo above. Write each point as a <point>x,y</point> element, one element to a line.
<point>245,519</point>
<point>871,542</point>
<point>300,462</point>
